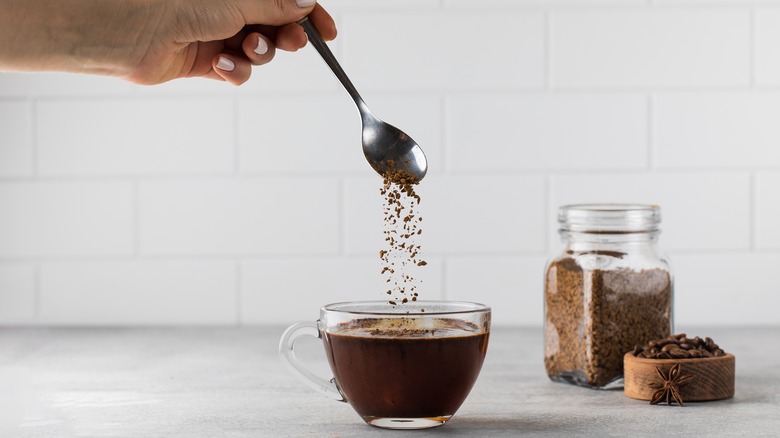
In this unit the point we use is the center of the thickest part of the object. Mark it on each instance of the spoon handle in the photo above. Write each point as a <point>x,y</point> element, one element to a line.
<point>316,40</point>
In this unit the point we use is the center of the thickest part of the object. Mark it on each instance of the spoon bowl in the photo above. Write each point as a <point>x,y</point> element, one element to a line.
<point>384,146</point>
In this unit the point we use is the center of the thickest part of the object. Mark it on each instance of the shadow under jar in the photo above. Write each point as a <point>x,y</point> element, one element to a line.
<point>609,289</point>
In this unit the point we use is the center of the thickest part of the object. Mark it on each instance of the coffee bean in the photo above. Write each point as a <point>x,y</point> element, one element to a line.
<point>680,346</point>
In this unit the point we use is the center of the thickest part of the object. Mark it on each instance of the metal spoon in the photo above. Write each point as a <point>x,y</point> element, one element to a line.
<point>383,143</point>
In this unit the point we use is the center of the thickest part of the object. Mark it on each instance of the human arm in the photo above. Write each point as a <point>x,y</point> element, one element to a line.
<point>153,41</point>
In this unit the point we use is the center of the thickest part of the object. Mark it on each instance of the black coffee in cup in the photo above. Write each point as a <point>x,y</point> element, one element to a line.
<point>399,368</point>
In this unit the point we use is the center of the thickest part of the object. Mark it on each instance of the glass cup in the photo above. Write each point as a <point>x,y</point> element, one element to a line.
<point>400,367</point>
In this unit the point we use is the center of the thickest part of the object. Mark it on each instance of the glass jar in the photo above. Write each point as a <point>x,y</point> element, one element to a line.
<point>609,289</point>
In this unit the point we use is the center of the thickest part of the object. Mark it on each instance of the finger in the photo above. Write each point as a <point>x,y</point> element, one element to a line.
<point>274,12</point>
<point>258,48</point>
<point>323,22</point>
<point>290,37</point>
<point>231,68</point>
<point>263,29</point>
<point>234,43</point>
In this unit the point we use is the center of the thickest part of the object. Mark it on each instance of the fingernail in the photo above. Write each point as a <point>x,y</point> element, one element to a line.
<point>262,46</point>
<point>305,3</point>
<point>225,64</point>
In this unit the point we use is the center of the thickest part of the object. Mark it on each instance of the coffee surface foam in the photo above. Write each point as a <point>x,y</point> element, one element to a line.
<point>406,328</point>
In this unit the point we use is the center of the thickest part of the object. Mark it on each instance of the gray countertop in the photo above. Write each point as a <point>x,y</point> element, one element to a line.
<point>230,383</point>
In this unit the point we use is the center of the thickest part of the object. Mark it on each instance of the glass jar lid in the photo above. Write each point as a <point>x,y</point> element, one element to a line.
<point>609,218</point>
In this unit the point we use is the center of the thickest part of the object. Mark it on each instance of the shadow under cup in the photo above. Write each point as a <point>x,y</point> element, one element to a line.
<point>400,367</point>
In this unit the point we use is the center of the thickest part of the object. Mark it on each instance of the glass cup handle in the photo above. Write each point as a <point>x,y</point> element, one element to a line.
<point>288,357</point>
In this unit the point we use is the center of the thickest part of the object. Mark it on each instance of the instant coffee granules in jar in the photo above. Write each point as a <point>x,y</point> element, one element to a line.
<point>609,289</point>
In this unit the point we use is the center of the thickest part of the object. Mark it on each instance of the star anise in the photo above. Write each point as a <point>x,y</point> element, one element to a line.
<point>669,388</point>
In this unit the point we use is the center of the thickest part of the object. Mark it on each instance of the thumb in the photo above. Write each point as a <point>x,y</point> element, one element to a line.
<point>274,12</point>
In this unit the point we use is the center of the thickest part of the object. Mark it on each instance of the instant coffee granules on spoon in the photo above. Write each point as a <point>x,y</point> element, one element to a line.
<point>401,229</point>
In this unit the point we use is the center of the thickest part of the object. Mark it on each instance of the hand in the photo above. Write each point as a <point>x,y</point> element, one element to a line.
<point>154,41</point>
<point>219,40</point>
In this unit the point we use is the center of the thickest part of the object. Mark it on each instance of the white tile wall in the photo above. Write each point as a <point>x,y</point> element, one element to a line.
<point>513,286</point>
<point>331,139</point>
<point>17,292</point>
<point>16,153</point>
<point>138,292</point>
<point>547,131</point>
<point>726,289</point>
<point>433,52</point>
<point>238,216</point>
<point>59,84</point>
<point>700,211</point>
<point>278,291</point>
<point>767,226</point>
<point>521,3</point>
<point>461,215</point>
<point>196,202</point>
<point>708,130</point>
<point>651,48</point>
<point>102,136</point>
<point>322,128</point>
<point>767,40</point>
<point>336,5</point>
<point>66,218</point>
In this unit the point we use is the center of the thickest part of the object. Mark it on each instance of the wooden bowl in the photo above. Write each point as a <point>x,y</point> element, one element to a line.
<point>713,377</point>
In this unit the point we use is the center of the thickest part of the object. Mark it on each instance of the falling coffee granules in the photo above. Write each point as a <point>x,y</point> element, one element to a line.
<point>595,316</point>
<point>401,229</point>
